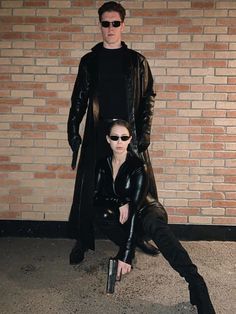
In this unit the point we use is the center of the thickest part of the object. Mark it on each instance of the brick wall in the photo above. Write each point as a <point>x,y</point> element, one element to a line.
<point>191,48</point>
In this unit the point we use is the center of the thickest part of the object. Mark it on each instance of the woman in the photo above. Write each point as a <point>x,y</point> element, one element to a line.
<point>123,204</point>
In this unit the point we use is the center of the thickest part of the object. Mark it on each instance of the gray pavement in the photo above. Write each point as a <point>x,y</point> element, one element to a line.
<point>35,277</point>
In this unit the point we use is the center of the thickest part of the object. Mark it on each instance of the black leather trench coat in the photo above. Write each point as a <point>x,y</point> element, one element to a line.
<point>140,100</point>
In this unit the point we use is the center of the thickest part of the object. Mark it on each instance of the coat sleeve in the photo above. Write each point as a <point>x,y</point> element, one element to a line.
<point>79,102</point>
<point>139,187</point>
<point>146,105</point>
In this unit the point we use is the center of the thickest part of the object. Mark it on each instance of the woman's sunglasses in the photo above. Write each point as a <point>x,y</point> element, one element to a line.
<point>115,138</point>
<point>106,24</point>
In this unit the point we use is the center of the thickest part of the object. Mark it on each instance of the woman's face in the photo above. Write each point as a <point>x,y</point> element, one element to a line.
<point>119,139</point>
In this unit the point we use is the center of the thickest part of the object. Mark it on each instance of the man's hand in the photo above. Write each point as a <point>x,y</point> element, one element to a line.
<point>75,143</point>
<point>144,142</point>
<point>123,268</point>
<point>124,213</point>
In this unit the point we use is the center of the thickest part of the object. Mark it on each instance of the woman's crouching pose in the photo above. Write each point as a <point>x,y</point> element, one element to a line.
<point>123,204</point>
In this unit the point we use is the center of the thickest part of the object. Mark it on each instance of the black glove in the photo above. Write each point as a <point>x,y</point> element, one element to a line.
<point>144,143</point>
<point>75,143</point>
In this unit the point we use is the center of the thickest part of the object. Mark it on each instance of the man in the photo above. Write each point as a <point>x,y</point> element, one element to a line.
<point>113,82</point>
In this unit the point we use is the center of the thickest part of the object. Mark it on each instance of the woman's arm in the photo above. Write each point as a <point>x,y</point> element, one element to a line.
<point>139,186</point>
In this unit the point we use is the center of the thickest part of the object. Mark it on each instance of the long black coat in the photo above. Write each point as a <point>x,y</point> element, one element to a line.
<point>140,100</point>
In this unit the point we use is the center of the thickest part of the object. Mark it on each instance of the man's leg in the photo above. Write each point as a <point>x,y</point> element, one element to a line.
<point>178,258</point>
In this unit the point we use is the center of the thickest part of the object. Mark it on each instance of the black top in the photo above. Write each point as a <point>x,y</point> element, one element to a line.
<point>111,89</point>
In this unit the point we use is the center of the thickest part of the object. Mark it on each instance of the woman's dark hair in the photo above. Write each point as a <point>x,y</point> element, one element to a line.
<point>111,6</point>
<point>119,122</point>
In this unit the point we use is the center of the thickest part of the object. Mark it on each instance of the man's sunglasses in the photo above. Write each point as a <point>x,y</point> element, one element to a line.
<point>115,138</point>
<point>106,24</point>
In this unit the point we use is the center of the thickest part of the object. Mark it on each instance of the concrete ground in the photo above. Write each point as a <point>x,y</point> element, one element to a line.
<point>35,277</point>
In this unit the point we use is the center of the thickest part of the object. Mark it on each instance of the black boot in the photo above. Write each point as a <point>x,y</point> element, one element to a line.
<point>147,247</point>
<point>77,253</point>
<point>180,261</point>
<point>199,296</point>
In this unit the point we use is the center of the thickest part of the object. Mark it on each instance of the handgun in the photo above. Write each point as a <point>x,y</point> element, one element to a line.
<point>111,275</point>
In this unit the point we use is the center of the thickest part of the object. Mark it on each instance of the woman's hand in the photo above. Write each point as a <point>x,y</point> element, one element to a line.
<point>124,213</point>
<point>123,268</point>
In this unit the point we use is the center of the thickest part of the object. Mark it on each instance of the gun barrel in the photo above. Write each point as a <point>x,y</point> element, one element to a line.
<point>111,277</point>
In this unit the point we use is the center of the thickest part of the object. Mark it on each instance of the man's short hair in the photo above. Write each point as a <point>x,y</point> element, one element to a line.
<point>112,6</point>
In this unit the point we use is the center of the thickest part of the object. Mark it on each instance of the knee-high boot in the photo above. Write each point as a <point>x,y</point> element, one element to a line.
<point>180,261</point>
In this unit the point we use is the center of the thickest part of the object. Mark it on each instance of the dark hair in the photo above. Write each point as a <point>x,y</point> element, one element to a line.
<point>119,122</point>
<point>110,7</point>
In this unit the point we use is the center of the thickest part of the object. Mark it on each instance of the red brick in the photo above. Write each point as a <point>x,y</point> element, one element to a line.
<point>225,155</point>
<point>59,20</point>
<point>44,175</point>
<point>35,3</point>
<point>45,93</point>
<point>224,203</point>
<point>212,195</point>
<point>47,28</point>
<point>10,167</point>
<point>216,46</point>
<point>230,179</point>
<point>225,138</point>
<point>11,36</point>
<point>201,122</point>
<point>21,191</point>
<point>155,21</point>
<point>21,126</point>
<point>177,219</point>
<point>212,146</point>
<point>46,127</point>
<point>28,134</point>
<point>58,102</point>
<point>151,13</point>
<point>70,175</point>
<point>34,20</point>
<point>9,199</point>
<point>196,4</point>
<point>59,36</point>
<point>82,3</point>
<point>4,158</point>
<point>201,138</point>
<point>214,63</point>
<point>9,215</point>
<point>226,21</point>
<point>230,212</point>
<point>191,29</point>
<point>224,221</point>
<point>46,110</point>
<point>177,87</point>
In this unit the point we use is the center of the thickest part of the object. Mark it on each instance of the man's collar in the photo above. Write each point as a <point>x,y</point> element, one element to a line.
<point>99,46</point>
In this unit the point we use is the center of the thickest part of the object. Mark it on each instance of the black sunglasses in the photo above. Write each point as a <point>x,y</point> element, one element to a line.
<point>115,138</point>
<point>106,24</point>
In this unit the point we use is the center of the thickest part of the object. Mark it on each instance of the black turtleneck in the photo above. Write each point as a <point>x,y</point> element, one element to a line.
<point>112,95</point>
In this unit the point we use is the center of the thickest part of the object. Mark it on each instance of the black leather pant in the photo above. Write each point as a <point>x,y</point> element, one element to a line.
<point>108,223</point>
<point>170,247</point>
<point>155,228</point>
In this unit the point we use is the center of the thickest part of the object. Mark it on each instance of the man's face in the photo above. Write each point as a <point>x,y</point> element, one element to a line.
<point>111,35</point>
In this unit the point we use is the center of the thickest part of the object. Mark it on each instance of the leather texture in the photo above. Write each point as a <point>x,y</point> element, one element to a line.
<point>84,100</point>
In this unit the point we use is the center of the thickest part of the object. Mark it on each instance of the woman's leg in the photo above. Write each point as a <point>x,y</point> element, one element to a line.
<point>108,223</point>
<point>178,258</point>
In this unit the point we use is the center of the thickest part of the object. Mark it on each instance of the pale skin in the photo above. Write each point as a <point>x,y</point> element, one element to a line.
<point>111,35</point>
<point>119,149</point>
